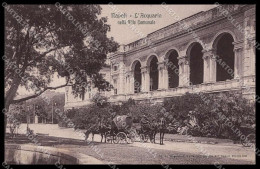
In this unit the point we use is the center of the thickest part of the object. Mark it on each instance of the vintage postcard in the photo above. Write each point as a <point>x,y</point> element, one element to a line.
<point>119,84</point>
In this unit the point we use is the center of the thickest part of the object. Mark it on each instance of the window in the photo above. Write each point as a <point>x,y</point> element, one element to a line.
<point>83,94</point>
<point>115,86</point>
<point>103,75</point>
<point>115,68</point>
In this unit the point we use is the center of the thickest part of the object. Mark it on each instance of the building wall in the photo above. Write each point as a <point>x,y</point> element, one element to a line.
<point>72,101</point>
<point>206,28</point>
<point>240,25</point>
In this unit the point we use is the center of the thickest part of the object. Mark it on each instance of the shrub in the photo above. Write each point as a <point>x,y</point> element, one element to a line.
<point>100,100</point>
<point>152,112</point>
<point>212,111</point>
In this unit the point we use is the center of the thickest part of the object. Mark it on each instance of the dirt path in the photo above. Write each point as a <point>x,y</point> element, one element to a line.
<point>223,150</point>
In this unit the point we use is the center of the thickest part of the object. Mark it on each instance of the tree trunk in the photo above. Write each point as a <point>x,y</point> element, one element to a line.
<point>10,94</point>
<point>5,117</point>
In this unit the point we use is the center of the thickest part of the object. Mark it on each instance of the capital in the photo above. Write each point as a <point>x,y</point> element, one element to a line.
<point>238,45</point>
<point>183,60</point>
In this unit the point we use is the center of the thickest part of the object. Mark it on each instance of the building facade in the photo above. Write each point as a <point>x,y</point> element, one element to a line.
<point>212,51</point>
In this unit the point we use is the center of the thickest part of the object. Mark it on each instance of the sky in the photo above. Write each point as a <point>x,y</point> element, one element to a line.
<point>123,33</point>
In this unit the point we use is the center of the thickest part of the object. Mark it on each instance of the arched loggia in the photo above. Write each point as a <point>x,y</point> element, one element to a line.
<point>154,74</point>
<point>196,63</point>
<point>225,57</point>
<point>173,68</point>
<point>137,77</point>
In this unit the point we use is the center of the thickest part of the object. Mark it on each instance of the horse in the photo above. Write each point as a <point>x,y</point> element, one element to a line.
<point>162,129</point>
<point>104,130</point>
<point>149,128</point>
<point>99,128</point>
<point>153,131</point>
<point>93,130</point>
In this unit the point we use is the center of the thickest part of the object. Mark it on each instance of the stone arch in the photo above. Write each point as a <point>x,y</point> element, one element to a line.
<point>219,34</point>
<point>137,76</point>
<point>196,63</point>
<point>132,66</point>
<point>169,50</point>
<point>190,45</point>
<point>225,56</point>
<point>150,57</point>
<point>171,62</point>
<point>152,63</point>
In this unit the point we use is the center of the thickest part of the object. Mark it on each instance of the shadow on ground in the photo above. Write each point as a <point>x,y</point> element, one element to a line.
<point>45,140</point>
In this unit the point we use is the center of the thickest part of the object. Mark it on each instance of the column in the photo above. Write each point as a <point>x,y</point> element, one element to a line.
<point>248,61</point>
<point>145,79</point>
<point>238,51</point>
<point>184,71</point>
<point>166,76</point>
<point>114,83</point>
<point>127,83</point>
<point>209,74</point>
<point>237,66</point>
<point>206,68</point>
<point>249,58</point>
<point>180,63</point>
<point>213,68</point>
<point>131,82</point>
<point>121,79</point>
<point>161,75</point>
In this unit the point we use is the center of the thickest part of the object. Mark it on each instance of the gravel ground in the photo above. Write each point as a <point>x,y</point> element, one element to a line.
<point>128,154</point>
<point>146,153</point>
<point>223,152</point>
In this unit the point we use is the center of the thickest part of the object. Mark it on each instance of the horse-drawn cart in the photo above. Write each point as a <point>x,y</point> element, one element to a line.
<point>121,130</point>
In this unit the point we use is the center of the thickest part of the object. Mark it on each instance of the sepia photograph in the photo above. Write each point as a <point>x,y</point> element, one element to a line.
<point>113,84</point>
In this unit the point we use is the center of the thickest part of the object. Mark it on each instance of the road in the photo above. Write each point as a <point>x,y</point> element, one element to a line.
<point>148,153</point>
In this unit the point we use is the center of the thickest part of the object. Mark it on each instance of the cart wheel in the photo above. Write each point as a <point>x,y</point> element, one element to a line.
<point>249,141</point>
<point>109,139</point>
<point>130,139</point>
<point>115,140</point>
<point>121,138</point>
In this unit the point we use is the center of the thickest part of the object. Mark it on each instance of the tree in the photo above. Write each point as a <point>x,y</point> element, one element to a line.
<point>16,115</point>
<point>43,39</point>
<point>212,111</point>
<point>46,104</point>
